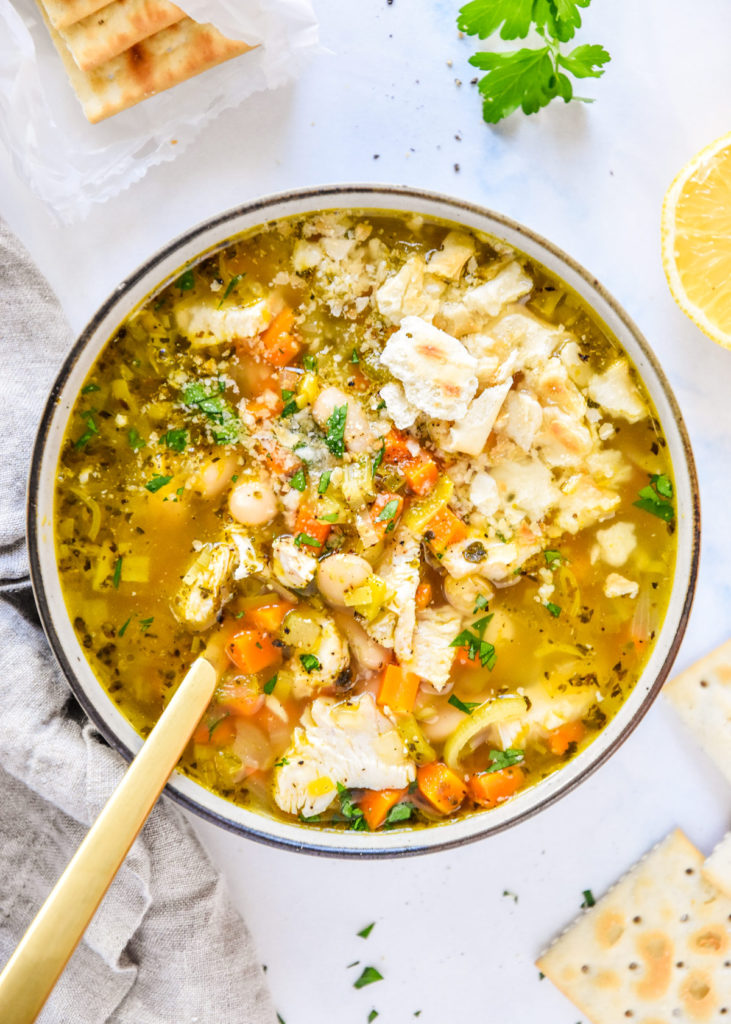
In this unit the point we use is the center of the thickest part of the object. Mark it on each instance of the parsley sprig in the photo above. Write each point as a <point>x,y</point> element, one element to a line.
<point>531,77</point>
<point>352,812</point>
<point>209,400</point>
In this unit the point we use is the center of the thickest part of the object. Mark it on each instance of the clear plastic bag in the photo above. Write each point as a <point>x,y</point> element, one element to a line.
<point>72,164</point>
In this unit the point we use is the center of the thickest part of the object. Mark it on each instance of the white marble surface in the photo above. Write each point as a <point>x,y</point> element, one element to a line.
<point>591,178</point>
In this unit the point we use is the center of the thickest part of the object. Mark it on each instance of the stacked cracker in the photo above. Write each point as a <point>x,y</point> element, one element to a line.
<point>117,54</point>
<point>656,949</point>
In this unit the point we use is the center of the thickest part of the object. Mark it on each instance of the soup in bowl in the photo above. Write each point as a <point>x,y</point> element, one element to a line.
<point>399,478</point>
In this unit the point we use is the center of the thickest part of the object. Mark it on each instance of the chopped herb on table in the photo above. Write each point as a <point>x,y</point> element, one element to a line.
<point>372,1016</point>
<point>588,900</point>
<point>369,975</point>
<point>512,895</point>
<point>365,932</point>
<point>530,77</point>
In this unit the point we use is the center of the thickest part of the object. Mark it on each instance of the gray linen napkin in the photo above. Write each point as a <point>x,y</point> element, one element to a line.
<point>166,946</point>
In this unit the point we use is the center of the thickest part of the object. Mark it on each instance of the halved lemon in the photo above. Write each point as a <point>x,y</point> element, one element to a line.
<point>696,239</point>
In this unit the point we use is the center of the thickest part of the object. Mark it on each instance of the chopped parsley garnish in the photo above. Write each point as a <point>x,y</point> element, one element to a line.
<point>500,759</point>
<point>468,707</point>
<point>230,287</point>
<point>554,609</point>
<point>657,498</point>
<point>512,895</point>
<point>146,623</point>
<point>310,363</point>
<point>281,1019</point>
<point>354,357</point>
<point>480,604</point>
<point>334,438</point>
<point>91,429</point>
<point>553,558</point>
<point>186,281</point>
<point>281,763</point>
<point>88,388</point>
<point>305,538</point>
<point>400,812</point>
<point>269,685</point>
<point>588,900</point>
<point>156,483</point>
<point>388,511</point>
<point>135,440</point>
<point>117,575</point>
<point>365,932</point>
<point>299,480</point>
<point>369,975</point>
<point>381,405</point>
<point>311,820</point>
<point>123,628</point>
<point>175,440</point>
<point>352,812</point>
<point>324,481</point>
<point>216,409</point>
<point>331,517</point>
<point>372,1016</point>
<point>309,662</point>
<point>477,647</point>
<point>379,457</point>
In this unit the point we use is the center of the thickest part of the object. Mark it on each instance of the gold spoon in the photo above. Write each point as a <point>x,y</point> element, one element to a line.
<point>45,949</point>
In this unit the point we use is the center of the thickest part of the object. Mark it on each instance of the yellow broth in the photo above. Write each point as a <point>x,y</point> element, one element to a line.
<point>145,477</point>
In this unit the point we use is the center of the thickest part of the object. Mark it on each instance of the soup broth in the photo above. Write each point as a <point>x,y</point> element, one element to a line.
<point>405,491</point>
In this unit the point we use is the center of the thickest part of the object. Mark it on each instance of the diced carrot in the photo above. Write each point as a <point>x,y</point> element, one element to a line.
<point>376,509</point>
<point>376,803</point>
<point>462,657</point>
<point>240,696</point>
<point>308,524</point>
<point>202,733</point>
<point>421,474</point>
<point>279,346</point>
<point>444,529</point>
<point>223,733</point>
<point>252,650</point>
<point>398,688</point>
<point>561,738</point>
<point>418,467</point>
<point>444,790</point>
<point>269,615</point>
<point>397,447</point>
<point>423,596</point>
<point>492,788</point>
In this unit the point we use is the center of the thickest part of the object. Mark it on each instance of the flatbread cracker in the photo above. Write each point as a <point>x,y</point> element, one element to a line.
<point>117,27</point>
<point>157,63</point>
<point>655,950</point>
<point>717,868</point>
<point>62,13</point>
<point>702,697</point>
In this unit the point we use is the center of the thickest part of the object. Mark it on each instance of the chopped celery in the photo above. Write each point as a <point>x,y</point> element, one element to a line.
<point>416,742</point>
<point>357,485</point>
<point>369,598</point>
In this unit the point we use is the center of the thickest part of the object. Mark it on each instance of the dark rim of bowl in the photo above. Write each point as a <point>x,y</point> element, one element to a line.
<point>321,194</point>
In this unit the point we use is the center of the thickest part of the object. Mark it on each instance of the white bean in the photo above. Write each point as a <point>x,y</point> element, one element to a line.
<point>214,475</point>
<point>252,503</point>
<point>369,655</point>
<point>358,435</point>
<point>339,574</point>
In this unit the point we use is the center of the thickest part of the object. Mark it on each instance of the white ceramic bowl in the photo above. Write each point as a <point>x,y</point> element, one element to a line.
<point>166,266</point>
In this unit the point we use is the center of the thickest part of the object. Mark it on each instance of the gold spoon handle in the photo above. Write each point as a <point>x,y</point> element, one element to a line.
<point>46,947</point>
